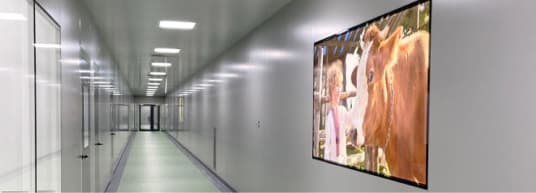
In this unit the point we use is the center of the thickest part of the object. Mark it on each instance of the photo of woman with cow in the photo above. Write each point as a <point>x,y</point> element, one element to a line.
<point>371,96</point>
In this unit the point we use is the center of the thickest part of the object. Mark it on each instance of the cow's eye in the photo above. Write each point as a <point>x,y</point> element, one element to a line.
<point>370,76</point>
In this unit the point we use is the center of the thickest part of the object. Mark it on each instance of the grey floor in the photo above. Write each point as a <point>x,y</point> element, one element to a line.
<point>155,164</point>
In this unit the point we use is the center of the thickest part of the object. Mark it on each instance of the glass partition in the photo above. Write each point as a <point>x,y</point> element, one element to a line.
<point>123,117</point>
<point>17,171</point>
<point>48,100</point>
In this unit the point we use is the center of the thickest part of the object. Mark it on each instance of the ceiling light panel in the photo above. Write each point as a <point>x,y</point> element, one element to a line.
<point>157,73</point>
<point>161,64</point>
<point>101,82</point>
<point>179,25</point>
<point>167,50</point>
<point>86,71</point>
<point>92,78</point>
<point>155,79</point>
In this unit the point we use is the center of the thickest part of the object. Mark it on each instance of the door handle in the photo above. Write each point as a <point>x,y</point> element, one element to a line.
<point>98,144</point>
<point>112,133</point>
<point>83,156</point>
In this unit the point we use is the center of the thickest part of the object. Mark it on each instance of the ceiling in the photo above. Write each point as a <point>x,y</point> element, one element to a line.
<point>130,29</point>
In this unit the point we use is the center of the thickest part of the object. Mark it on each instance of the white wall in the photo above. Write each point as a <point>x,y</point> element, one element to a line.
<point>481,100</point>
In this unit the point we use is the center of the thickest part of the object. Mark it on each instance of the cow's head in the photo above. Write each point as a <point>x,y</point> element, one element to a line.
<point>382,56</point>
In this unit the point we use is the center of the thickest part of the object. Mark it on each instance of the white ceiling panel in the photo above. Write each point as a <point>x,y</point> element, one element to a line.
<point>130,29</point>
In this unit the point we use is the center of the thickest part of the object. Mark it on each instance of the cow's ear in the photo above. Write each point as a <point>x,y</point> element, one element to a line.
<point>390,43</point>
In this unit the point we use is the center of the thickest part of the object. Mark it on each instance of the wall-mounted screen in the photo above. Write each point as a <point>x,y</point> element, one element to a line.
<point>371,86</point>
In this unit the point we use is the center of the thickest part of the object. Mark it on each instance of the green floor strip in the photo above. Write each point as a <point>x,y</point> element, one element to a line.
<point>156,165</point>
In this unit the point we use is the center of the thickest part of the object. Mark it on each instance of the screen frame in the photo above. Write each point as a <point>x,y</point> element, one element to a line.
<point>364,24</point>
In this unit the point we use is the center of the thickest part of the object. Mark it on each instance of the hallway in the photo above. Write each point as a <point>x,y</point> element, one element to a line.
<point>105,96</point>
<point>155,164</point>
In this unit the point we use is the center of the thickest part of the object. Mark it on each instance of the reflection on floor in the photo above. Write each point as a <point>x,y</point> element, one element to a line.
<point>156,165</point>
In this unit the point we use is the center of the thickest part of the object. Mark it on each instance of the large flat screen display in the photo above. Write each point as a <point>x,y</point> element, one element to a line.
<point>371,86</point>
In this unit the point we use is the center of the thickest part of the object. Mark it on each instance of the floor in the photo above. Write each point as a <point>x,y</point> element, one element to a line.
<point>155,164</point>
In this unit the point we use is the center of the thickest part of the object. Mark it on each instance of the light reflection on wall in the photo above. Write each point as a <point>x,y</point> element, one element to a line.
<point>273,54</point>
<point>246,67</point>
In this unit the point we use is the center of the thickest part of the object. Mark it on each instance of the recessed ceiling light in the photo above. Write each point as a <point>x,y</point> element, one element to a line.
<point>161,64</point>
<point>101,82</point>
<point>87,71</point>
<point>167,50</point>
<point>156,79</point>
<point>181,25</point>
<point>92,78</point>
<point>12,16</point>
<point>157,73</point>
<point>52,46</point>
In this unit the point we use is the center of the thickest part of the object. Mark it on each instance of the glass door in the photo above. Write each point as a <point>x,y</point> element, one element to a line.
<point>85,138</point>
<point>149,118</point>
<point>123,118</point>
<point>88,99</point>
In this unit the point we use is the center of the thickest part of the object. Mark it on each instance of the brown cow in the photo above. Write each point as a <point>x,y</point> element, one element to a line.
<point>396,115</point>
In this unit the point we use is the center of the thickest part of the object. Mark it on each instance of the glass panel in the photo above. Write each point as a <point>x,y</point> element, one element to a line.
<point>145,118</point>
<point>156,117</point>
<point>17,99</point>
<point>181,109</point>
<point>48,85</point>
<point>114,117</point>
<point>86,108</point>
<point>123,117</point>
